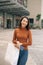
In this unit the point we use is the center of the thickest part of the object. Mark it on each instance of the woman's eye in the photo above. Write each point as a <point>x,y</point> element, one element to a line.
<point>23,20</point>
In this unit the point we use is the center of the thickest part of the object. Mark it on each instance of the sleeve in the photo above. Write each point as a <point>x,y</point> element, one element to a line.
<point>29,40</point>
<point>14,37</point>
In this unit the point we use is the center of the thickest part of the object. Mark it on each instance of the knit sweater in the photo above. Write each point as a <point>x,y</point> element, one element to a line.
<point>24,36</point>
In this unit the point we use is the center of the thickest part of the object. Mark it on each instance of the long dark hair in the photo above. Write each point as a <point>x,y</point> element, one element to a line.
<point>27,27</point>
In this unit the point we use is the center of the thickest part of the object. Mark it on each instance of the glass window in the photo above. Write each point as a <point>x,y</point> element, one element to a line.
<point>20,1</point>
<point>25,3</point>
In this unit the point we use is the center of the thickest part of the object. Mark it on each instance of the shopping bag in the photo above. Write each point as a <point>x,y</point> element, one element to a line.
<point>12,54</point>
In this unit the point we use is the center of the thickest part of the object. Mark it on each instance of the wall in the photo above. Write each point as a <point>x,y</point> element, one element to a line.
<point>34,6</point>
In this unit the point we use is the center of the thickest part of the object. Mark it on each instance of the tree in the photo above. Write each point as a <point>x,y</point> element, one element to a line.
<point>38,17</point>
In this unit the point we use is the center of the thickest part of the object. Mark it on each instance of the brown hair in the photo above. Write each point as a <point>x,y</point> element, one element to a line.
<point>27,27</point>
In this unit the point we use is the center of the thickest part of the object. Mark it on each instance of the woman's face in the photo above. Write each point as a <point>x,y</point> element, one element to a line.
<point>24,22</point>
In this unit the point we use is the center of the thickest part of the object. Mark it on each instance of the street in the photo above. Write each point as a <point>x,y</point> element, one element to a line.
<point>35,56</point>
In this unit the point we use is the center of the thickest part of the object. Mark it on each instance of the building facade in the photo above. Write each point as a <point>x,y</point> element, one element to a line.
<point>34,7</point>
<point>11,11</point>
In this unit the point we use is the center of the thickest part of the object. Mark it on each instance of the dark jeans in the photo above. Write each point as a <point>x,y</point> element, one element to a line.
<point>23,56</point>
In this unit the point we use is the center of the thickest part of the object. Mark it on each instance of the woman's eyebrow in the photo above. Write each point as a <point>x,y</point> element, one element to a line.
<point>24,20</point>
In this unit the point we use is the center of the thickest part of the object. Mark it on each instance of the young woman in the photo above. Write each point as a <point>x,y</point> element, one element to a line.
<point>22,38</point>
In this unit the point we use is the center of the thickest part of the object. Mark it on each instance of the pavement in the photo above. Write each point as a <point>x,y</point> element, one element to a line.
<point>35,55</point>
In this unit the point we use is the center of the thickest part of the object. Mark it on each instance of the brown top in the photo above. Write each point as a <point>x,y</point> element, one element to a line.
<point>24,36</point>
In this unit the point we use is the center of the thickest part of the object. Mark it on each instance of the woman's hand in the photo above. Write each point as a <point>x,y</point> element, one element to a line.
<point>18,44</point>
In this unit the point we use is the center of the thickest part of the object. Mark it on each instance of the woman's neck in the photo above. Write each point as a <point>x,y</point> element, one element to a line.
<point>23,28</point>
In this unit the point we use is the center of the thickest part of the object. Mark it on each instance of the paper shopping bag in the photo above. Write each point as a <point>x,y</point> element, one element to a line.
<point>12,54</point>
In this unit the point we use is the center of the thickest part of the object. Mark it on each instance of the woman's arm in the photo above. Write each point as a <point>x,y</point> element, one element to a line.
<point>29,40</point>
<point>17,43</point>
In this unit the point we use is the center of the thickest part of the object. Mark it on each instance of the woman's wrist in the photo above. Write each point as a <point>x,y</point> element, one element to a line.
<point>19,43</point>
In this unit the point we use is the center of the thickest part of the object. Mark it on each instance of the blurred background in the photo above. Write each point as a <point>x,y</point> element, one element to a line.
<point>10,14</point>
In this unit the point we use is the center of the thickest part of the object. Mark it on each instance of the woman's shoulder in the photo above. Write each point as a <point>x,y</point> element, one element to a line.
<point>29,31</point>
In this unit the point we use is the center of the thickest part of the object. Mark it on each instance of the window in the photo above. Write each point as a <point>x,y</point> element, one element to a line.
<point>25,3</point>
<point>20,1</point>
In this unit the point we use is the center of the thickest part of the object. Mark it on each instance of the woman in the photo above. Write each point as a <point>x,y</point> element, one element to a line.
<point>22,39</point>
